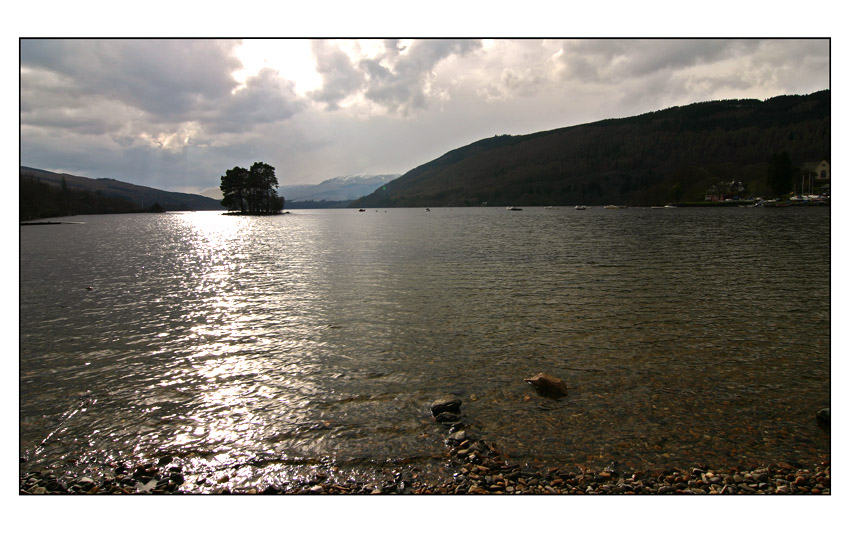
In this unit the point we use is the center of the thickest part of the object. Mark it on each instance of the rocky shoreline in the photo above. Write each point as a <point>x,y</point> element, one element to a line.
<point>478,468</point>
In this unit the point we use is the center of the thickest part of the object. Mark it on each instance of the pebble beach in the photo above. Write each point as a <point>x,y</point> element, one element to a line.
<point>474,466</point>
<point>479,470</point>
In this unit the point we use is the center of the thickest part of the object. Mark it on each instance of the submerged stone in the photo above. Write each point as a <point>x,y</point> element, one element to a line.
<point>447,404</point>
<point>547,385</point>
<point>458,436</point>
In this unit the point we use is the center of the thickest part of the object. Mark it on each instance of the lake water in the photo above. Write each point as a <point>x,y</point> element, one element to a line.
<point>261,349</point>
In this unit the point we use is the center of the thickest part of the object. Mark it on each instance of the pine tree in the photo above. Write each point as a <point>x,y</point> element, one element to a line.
<point>251,192</point>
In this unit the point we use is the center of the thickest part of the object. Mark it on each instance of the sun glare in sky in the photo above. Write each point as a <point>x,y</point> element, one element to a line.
<point>292,58</point>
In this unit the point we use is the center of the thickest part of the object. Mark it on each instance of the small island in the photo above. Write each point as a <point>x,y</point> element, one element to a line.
<point>252,191</point>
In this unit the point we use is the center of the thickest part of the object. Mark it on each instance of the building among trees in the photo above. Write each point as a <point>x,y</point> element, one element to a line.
<point>252,191</point>
<point>815,177</point>
<point>818,170</point>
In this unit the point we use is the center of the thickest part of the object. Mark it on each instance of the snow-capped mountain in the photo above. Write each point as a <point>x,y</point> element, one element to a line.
<point>336,189</point>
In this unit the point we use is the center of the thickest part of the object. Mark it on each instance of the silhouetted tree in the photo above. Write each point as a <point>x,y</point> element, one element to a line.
<point>675,193</point>
<point>780,173</point>
<point>251,192</point>
<point>233,187</point>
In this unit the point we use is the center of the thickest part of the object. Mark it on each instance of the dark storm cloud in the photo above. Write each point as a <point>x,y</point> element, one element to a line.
<point>613,60</point>
<point>648,74</point>
<point>266,98</point>
<point>340,76</point>
<point>133,87</point>
<point>404,86</point>
<point>397,79</point>
<point>758,61</point>
<point>168,79</point>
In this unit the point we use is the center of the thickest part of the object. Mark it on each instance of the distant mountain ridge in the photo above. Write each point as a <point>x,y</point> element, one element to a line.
<point>336,189</point>
<point>674,154</point>
<point>139,196</point>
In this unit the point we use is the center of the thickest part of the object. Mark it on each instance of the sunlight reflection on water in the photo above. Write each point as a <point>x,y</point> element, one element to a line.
<point>258,347</point>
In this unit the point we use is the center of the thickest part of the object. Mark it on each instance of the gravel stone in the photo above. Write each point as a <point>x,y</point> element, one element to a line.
<point>472,467</point>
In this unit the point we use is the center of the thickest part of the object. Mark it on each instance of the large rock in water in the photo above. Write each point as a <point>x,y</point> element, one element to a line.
<point>447,404</point>
<point>547,385</point>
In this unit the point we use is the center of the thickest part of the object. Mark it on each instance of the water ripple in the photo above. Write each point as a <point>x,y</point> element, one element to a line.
<point>260,346</point>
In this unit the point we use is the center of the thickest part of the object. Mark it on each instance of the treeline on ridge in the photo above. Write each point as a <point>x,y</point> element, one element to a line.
<point>41,200</point>
<point>671,155</point>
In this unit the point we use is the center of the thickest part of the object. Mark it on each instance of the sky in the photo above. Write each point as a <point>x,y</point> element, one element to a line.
<point>175,114</point>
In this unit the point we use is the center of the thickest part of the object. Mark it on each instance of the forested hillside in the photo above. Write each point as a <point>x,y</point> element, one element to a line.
<point>48,194</point>
<point>669,155</point>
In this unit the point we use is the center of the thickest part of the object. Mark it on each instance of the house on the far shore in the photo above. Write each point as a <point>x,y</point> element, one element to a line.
<point>815,175</point>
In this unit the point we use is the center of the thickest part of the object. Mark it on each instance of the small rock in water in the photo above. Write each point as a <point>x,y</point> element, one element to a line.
<point>448,404</point>
<point>547,385</point>
<point>458,436</point>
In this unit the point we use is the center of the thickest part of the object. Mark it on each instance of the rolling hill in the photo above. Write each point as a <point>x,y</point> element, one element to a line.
<point>89,196</point>
<point>674,154</point>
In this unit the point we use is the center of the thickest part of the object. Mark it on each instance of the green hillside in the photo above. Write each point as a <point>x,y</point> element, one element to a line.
<point>671,155</point>
<point>48,194</point>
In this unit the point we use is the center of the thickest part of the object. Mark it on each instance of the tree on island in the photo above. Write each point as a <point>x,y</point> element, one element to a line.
<point>251,192</point>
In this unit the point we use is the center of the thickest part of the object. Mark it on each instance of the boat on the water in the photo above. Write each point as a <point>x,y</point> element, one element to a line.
<point>512,208</point>
<point>581,207</point>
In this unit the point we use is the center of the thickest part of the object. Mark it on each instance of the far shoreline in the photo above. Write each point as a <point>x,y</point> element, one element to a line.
<point>235,214</point>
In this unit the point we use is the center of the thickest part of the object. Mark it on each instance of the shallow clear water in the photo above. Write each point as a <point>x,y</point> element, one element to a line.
<point>261,347</point>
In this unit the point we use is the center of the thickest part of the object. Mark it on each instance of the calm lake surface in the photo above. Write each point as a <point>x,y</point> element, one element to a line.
<point>254,350</point>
